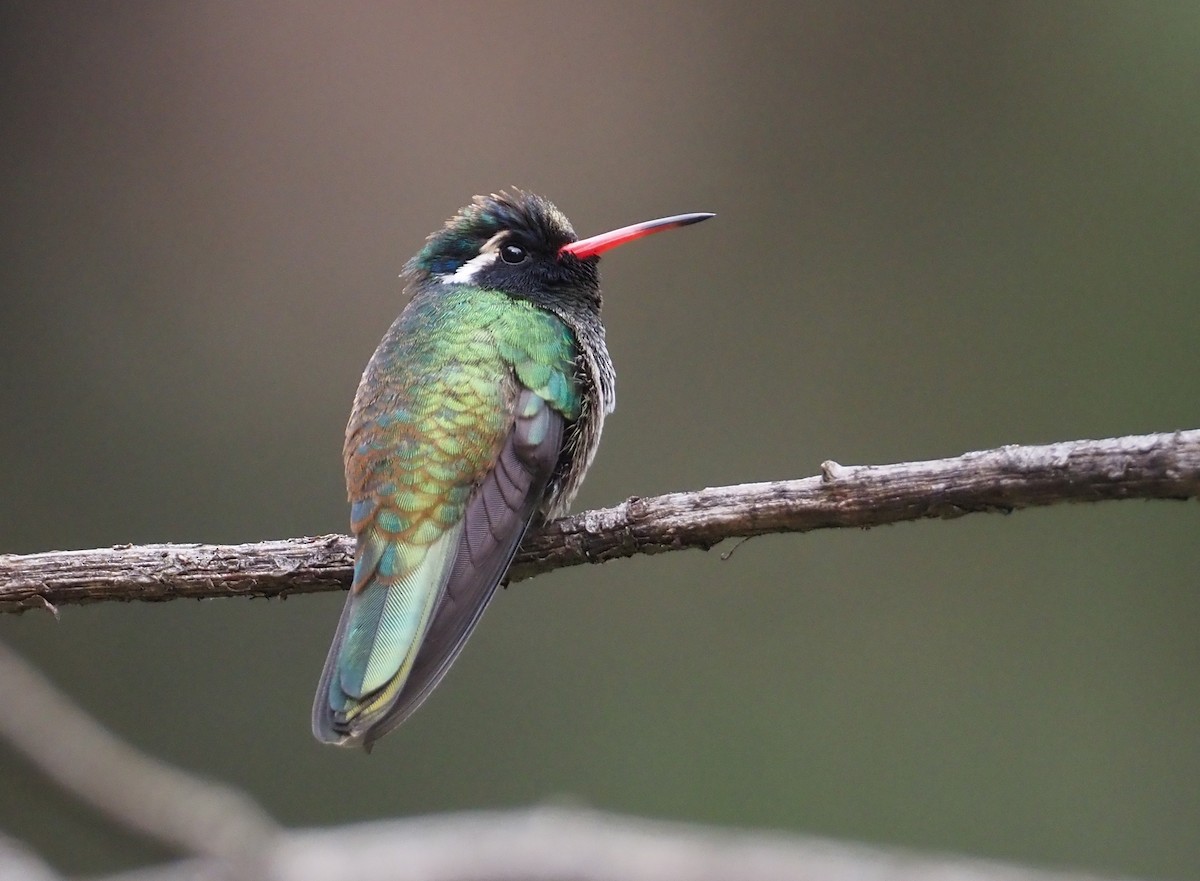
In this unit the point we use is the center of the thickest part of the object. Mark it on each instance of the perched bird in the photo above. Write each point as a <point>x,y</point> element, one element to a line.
<point>480,411</point>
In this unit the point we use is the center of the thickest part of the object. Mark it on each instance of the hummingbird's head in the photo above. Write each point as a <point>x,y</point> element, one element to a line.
<point>520,244</point>
<point>509,242</point>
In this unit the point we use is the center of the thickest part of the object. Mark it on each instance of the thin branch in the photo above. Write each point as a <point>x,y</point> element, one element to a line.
<point>235,841</point>
<point>550,844</point>
<point>1153,466</point>
<point>553,843</point>
<point>136,791</point>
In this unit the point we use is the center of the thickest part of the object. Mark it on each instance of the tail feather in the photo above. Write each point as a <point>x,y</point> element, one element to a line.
<point>381,628</point>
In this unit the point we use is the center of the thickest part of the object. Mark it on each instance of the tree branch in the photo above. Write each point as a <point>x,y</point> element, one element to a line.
<point>234,840</point>
<point>549,844</point>
<point>1153,466</point>
<point>133,789</point>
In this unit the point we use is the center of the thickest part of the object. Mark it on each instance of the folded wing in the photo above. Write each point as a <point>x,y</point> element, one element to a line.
<point>412,605</point>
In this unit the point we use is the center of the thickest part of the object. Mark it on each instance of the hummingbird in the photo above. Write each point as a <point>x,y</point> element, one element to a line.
<point>478,414</point>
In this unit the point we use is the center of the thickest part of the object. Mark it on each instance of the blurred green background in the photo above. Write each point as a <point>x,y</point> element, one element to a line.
<point>942,227</point>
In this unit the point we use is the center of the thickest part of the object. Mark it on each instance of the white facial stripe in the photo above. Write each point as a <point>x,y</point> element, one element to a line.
<point>493,244</point>
<point>466,273</point>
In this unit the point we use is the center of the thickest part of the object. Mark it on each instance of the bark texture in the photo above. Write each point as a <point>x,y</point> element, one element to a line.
<point>1152,466</point>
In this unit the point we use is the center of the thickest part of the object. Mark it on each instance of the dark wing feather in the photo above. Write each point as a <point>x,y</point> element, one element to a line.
<point>499,512</point>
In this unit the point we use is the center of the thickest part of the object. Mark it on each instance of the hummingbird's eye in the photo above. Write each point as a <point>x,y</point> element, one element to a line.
<point>512,254</point>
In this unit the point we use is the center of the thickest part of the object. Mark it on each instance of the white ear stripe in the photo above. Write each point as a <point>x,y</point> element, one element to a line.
<point>466,273</point>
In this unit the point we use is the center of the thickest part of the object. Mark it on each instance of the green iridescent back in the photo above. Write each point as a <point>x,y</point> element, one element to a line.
<point>430,393</point>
